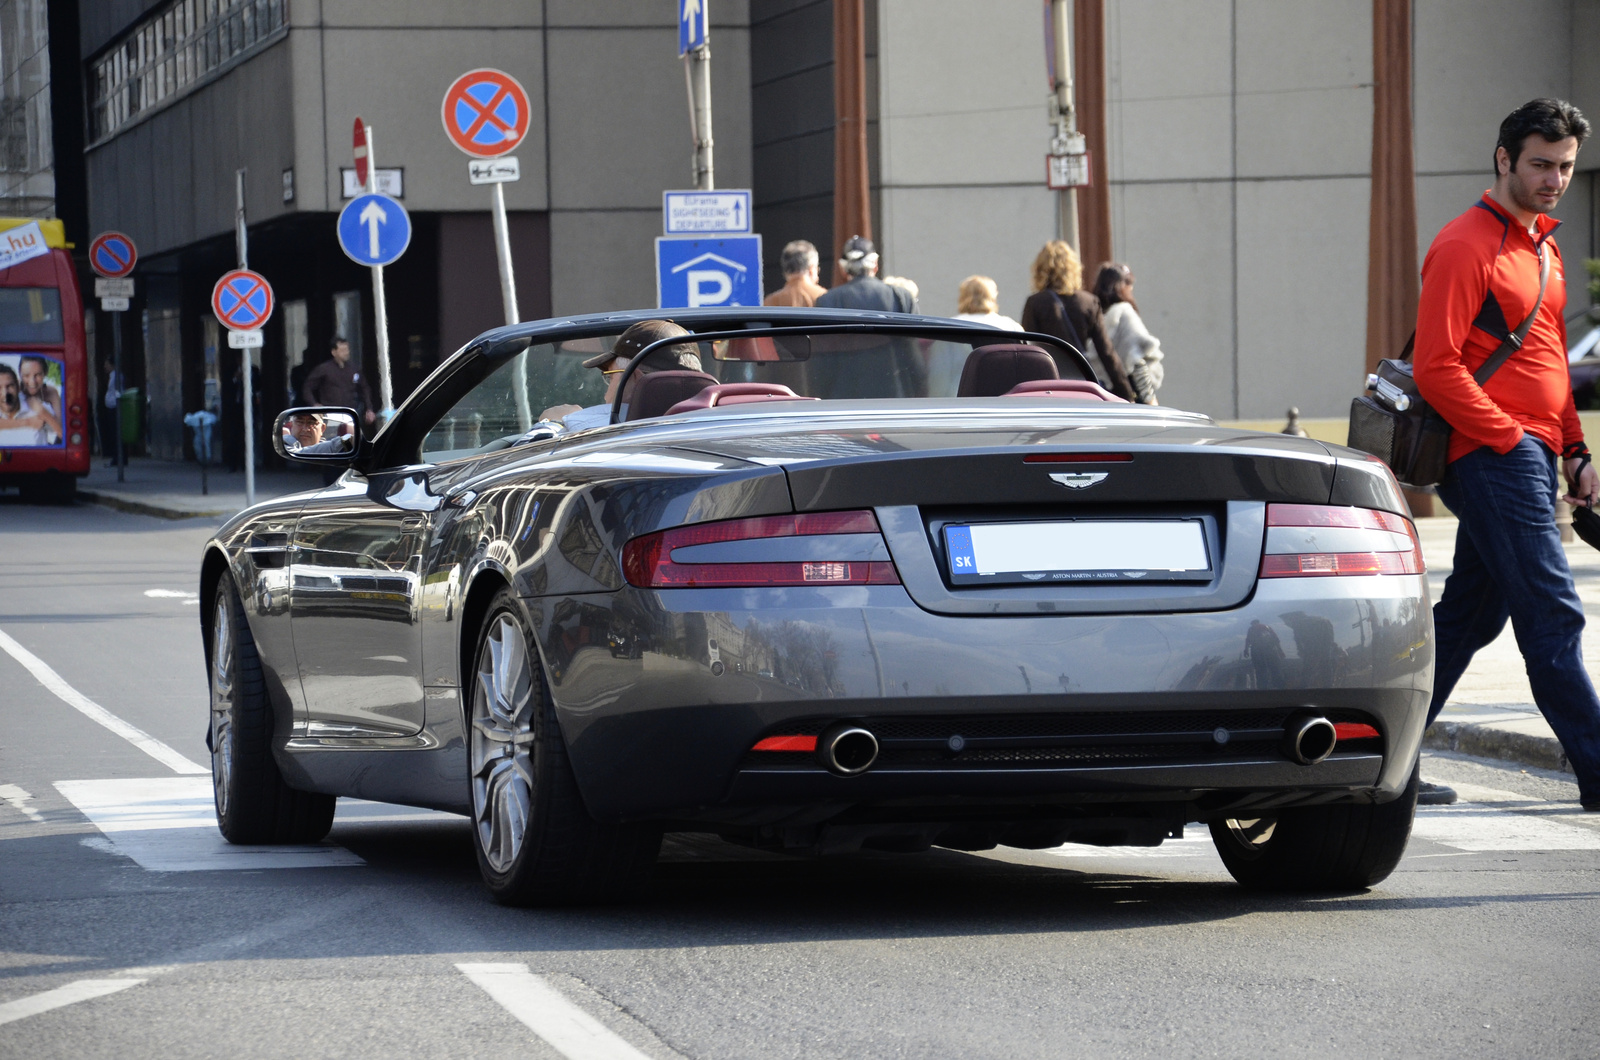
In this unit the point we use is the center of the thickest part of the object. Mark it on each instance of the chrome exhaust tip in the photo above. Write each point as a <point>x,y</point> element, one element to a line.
<point>1308,739</point>
<point>847,750</point>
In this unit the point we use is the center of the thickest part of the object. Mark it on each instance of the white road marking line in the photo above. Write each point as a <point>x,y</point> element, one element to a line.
<point>19,800</point>
<point>86,989</point>
<point>171,594</point>
<point>71,994</point>
<point>52,681</point>
<point>568,1029</point>
<point>169,824</point>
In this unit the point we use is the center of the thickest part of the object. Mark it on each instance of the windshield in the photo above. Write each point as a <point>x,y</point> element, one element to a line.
<point>548,389</point>
<point>30,314</point>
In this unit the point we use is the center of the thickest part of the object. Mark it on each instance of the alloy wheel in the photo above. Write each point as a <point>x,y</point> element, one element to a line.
<point>502,743</point>
<point>222,702</point>
<point>1252,834</point>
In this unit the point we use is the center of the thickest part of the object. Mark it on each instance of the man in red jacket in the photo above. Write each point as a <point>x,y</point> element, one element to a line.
<point>1480,281</point>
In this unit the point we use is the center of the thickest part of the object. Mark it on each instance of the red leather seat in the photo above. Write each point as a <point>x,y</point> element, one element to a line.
<point>994,370</point>
<point>736,394</point>
<point>1078,389</point>
<point>657,392</point>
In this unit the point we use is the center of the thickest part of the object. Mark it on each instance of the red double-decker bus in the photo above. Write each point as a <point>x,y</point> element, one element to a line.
<point>45,404</point>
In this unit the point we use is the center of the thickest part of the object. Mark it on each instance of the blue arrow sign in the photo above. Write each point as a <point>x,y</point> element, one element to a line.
<point>692,29</point>
<point>705,272</point>
<point>374,230</point>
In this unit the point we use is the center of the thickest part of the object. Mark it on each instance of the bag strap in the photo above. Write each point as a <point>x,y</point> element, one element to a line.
<point>1514,341</point>
<point>1066,319</point>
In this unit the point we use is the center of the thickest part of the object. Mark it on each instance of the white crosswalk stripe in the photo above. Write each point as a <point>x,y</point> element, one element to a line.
<point>1492,819</point>
<point>1484,820</point>
<point>169,824</point>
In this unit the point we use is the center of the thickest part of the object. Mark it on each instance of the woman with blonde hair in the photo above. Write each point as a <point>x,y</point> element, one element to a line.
<point>1060,306</point>
<point>979,301</point>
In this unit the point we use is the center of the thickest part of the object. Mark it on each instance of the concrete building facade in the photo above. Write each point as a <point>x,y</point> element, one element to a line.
<point>1239,150</point>
<point>183,93</point>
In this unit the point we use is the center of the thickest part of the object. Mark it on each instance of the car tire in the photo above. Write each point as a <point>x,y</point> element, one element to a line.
<point>254,804</point>
<point>1343,847</point>
<point>535,840</point>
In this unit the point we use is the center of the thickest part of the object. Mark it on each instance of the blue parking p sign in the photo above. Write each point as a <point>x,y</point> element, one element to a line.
<point>707,272</point>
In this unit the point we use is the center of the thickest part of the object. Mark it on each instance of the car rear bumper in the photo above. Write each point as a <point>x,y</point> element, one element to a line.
<point>662,695</point>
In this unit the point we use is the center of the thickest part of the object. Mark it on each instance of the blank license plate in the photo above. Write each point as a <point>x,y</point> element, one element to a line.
<point>1078,551</point>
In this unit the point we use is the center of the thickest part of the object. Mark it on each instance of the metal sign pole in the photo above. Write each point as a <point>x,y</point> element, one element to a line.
<point>502,245</point>
<point>247,357</point>
<point>380,303</point>
<point>122,384</point>
<point>699,61</point>
<point>1065,113</point>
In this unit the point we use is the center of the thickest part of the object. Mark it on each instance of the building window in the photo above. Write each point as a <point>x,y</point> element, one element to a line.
<point>171,51</point>
<point>27,170</point>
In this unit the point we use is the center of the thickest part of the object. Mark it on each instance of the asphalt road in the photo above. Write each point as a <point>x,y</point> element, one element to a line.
<point>128,929</point>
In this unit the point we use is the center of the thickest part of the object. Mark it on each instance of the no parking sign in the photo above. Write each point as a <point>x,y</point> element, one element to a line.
<point>242,300</point>
<point>486,113</point>
<point>112,255</point>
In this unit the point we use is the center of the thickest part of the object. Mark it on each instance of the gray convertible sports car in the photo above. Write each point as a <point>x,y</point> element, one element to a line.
<point>817,581</point>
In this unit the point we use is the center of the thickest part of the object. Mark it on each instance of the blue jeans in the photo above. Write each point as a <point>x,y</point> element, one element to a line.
<point>1509,564</point>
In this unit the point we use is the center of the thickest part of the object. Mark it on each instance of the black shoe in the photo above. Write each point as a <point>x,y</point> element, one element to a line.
<point>1591,807</point>
<point>1431,794</point>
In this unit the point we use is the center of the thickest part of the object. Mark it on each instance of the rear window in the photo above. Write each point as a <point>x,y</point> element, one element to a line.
<point>30,314</point>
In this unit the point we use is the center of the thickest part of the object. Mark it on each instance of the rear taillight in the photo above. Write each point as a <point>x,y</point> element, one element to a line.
<point>650,562</point>
<point>1320,540</point>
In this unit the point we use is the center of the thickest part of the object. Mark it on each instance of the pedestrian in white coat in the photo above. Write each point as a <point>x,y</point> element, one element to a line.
<point>1140,351</point>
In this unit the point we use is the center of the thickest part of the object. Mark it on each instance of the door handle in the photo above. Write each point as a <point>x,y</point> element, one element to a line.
<point>413,522</point>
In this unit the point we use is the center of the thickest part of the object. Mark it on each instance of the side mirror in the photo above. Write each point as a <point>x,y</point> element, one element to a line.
<point>317,436</point>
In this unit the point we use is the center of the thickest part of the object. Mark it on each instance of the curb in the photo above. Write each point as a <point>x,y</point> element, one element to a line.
<point>133,507</point>
<point>1482,741</point>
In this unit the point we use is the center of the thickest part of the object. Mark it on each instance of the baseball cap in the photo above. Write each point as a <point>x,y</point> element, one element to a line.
<point>857,248</point>
<point>682,355</point>
<point>599,360</point>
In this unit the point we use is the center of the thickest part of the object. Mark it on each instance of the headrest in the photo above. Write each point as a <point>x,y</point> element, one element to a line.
<point>736,394</point>
<point>992,370</point>
<point>656,392</point>
<point>1074,389</point>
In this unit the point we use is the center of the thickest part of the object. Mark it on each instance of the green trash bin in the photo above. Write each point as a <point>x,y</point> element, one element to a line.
<point>132,410</point>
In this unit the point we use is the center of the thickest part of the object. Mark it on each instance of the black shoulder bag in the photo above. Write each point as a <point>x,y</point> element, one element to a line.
<point>1394,424</point>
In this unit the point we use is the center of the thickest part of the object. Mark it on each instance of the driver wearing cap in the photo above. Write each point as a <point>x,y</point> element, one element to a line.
<point>677,357</point>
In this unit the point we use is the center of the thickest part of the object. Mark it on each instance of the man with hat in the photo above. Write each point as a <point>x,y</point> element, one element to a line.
<point>681,356</point>
<point>303,434</point>
<point>859,262</point>
<point>895,369</point>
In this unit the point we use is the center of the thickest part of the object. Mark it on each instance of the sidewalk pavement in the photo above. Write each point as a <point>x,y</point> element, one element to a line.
<point>171,490</point>
<point>1491,714</point>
